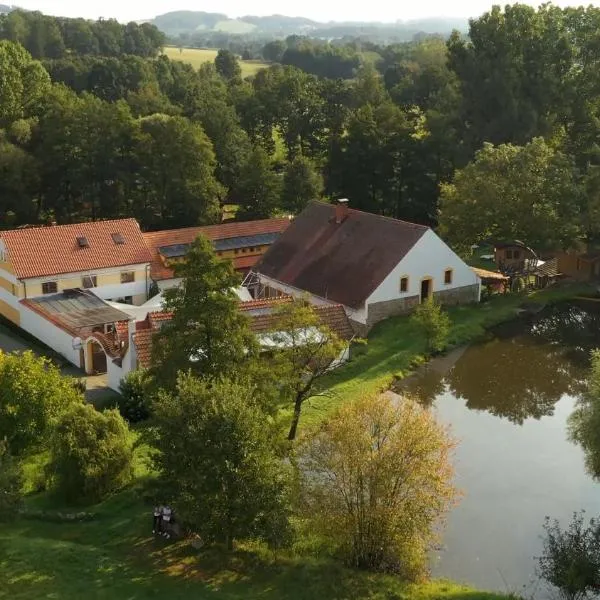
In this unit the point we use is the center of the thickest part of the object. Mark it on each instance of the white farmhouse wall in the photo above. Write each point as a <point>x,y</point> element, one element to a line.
<point>54,337</point>
<point>128,364</point>
<point>120,290</point>
<point>6,295</point>
<point>429,257</point>
<point>167,284</point>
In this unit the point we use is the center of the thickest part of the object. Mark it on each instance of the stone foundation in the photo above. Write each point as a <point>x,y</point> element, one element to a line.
<point>391,308</point>
<point>467,294</point>
<point>360,329</point>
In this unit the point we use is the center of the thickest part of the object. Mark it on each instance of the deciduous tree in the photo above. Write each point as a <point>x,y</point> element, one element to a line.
<point>302,183</point>
<point>529,193</point>
<point>376,479</point>
<point>305,350</point>
<point>33,397</point>
<point>571,558</point>
<point>216,461</point>
<point>208,335</point>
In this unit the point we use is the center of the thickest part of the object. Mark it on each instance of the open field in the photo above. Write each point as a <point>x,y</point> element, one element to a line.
<point>199,56</point>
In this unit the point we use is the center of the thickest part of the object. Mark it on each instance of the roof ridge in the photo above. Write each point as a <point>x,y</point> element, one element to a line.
<point>370,214</point>
<point>65,225</point>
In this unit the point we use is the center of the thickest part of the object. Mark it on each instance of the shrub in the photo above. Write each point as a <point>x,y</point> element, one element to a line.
<point>11,483</point>
<point>375,480</point>
<point>134,401</point>
<point>91,454</point>
<point>434,323</point>
<point>33,396</point>
<point>571,558</point>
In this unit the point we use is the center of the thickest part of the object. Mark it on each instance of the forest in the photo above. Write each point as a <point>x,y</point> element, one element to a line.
<point>493,134</point>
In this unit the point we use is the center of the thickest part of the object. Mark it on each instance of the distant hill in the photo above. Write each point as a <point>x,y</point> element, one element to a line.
<point>177,23</point>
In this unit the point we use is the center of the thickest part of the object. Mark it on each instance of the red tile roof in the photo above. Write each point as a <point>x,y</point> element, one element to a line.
<point>342,262</point>
<point>54,250</point>
<point>263,303</point>
<point>142,340</point>
<point>170,237</point>
<point>331,315</point>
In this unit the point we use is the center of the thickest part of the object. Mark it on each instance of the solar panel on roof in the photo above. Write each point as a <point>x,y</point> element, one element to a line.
<point>174,251</point>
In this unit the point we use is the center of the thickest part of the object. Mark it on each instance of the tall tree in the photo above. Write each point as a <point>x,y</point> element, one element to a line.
<point>258,187</point>
<point>301,184</point>
<point>208,335</point>
<point>216,461</point>
<point>23,83</point>
<point>228,66</point>
<point>528,193</point>
<point>84,146</point>
<point>177,173</point>
<point>378,162</point>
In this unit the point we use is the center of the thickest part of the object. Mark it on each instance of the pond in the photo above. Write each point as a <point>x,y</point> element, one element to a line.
<point>508,401</point>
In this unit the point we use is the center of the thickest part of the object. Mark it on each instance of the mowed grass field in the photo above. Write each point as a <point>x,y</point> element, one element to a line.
<point>199,56</point>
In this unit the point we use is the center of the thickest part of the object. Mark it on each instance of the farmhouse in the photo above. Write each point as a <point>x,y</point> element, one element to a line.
<point>243,243</point>
<point>374,266</point>
<point>83,289</point>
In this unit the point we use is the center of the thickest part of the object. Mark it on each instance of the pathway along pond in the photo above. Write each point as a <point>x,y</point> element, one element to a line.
<point>508,401</point>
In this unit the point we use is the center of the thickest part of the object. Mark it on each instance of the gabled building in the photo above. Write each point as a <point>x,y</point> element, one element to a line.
<point>374,266</point>
<point>244,243</point>
<point>109,258</point>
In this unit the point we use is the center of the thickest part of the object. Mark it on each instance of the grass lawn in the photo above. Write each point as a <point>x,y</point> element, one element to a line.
<point>199,56</point>
<point>114,556</point>
<point>394,344</point>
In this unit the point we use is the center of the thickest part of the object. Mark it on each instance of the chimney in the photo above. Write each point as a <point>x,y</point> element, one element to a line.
<point>341,210</point>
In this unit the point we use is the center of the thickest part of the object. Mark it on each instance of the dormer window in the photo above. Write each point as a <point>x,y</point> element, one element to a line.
<point>82,242</point>
<point>118,238</point>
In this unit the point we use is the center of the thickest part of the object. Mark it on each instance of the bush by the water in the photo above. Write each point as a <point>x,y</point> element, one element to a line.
<point>91,454</point>
<point>571,558</point>
<point>376,478</point>
<point>434,323</point>
<point>134,401</point>
<point>11,483</point>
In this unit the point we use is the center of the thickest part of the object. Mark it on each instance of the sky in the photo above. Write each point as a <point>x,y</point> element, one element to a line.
<point>319,10</point>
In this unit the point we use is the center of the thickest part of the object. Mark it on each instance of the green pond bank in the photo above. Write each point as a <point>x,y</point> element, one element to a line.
<point>397,347</point>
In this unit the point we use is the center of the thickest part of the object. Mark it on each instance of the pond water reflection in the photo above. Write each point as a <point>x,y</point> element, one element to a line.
<point>508,400</point>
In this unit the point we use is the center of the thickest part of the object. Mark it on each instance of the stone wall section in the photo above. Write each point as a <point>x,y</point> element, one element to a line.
<point>379,311</point>
<point>463,295</point>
